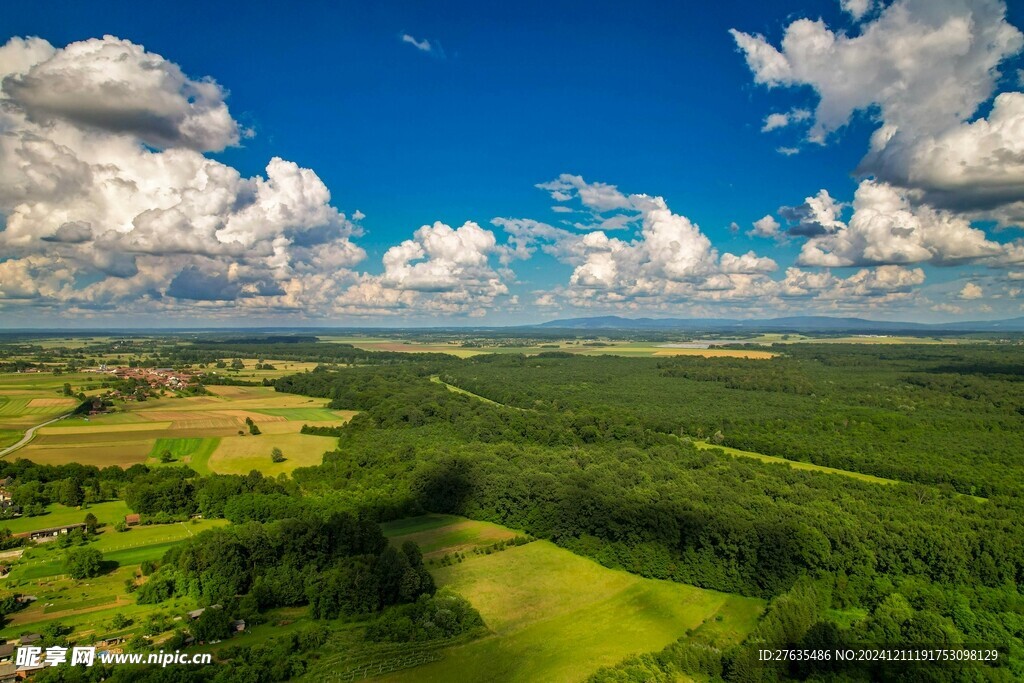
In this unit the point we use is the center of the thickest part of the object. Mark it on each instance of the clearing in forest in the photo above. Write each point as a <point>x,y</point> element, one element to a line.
<point>556,616</point>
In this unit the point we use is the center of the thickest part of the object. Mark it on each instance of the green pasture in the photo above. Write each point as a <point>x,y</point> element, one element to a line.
<point>9,437</point>
<point>456,535</point>
<point>194,452</point>
<point>556,616</point>
<point>110,513</point>
<point>457,390</point>
<point>795,464</point>
<point>111,541</point>
<point>411,525</point>
<point>128,548</point>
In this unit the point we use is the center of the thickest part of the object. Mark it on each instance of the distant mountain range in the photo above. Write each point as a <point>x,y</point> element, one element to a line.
<point>802,323</point>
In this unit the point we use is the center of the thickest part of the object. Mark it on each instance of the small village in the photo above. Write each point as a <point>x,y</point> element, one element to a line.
<point>154,378</point>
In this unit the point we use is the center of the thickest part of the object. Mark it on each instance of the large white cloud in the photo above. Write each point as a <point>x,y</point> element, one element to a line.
<point>886,229</point>
<point>110,204</point>
<point>977,166</point>
<point>948,150</point>
<point>85,189</point>
<point>923,68</point>
<point>669,250</point>
<point>115,85</point>
<point>926,64</point>
<point>441,270</point>
<point>441,259</point>
<point>669,262</point>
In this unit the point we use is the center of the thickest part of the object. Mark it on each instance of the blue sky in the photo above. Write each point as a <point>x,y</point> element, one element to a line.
<point>654,98</point>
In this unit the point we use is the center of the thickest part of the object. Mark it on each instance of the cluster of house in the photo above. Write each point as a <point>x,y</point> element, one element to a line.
<point>9,670</point>
<point>155,378</point>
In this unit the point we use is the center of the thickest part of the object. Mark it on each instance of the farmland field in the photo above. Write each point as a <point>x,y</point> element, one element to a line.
<point>121,452</point>
<point>605,348</point>
<point>29,399</point>
<point>554,616</point>
<point>192,429</point>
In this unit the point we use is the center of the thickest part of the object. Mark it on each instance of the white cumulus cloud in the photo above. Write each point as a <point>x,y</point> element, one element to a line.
<point>886,228</point>
<point>971,291</point>
<point>765,226</point>
<point>110,204</point>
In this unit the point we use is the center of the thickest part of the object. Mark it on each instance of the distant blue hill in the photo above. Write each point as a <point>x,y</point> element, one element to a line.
<point>801,323</point>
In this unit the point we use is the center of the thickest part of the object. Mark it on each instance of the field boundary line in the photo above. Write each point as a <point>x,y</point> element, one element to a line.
<point>814,467</point>
<point>459,390</point>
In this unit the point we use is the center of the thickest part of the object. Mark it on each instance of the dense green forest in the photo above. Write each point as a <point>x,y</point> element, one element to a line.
<point>932,414</point>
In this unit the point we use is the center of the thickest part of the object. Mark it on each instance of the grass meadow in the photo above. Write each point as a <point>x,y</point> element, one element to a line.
<point>555,616</point>
<point>60,515</point>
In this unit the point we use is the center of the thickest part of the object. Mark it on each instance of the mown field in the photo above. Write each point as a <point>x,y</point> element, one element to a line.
<point>208,433</point>
<point>242,454</point>
<point>555,616</point>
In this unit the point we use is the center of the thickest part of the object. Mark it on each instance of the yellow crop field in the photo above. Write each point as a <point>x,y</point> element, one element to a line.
<point>96,426</point>
<point>53,403</point>
<point>129,435</point>
<point>242,454</point>
<point>122,453</point>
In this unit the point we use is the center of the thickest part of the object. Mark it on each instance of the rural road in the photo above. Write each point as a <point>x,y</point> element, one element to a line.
<point>29,434</point>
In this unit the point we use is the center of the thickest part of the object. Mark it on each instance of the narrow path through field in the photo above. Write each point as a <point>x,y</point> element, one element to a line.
<point>735,452</point>
<point>795,464</point>
<point>458,390</point>
<point>800,465</point>
<point>29,435</point>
